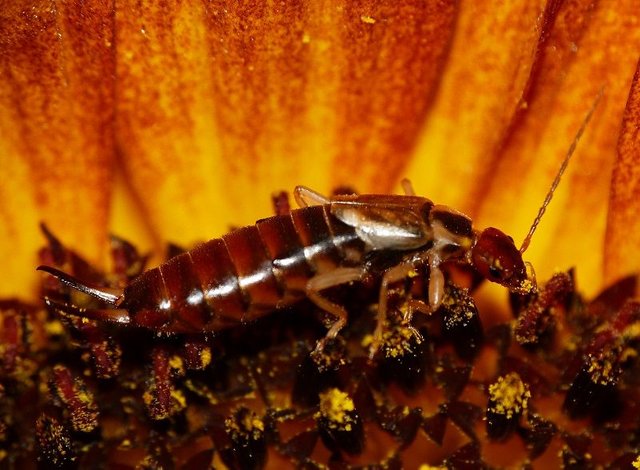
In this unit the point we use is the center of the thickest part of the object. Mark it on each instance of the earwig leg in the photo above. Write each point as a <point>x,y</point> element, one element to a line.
<point>113,315</point>
<point>415,305</point>
<point>412,306</point>
<point>306,197</point>
<point>325,281</point>
<point>280,203</point>
<point>407,187</point>
<point>394,274</point>
<point>436,286</point>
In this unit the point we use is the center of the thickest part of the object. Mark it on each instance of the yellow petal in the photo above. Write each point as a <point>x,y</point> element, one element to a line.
<point>218,107</point>
<point>622,242</point>
<point>488,68</point>
<point>56,110</point>
<point>584,52</point>
<point>507,112</point>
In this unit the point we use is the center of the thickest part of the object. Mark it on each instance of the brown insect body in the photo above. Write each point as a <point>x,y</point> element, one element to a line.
<point>255,270</point>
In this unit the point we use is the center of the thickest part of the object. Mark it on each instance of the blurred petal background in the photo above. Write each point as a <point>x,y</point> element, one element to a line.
<point>172,121</point>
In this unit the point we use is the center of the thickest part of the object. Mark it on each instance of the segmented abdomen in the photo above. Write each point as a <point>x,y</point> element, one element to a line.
<point>243,275</point>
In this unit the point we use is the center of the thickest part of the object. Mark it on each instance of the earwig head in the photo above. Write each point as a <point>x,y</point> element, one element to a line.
<point>496,257</point>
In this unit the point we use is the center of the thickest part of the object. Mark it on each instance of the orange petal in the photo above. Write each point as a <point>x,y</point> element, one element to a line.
<point>56,102</point>
<point>622,242</point>
<point>589,47</point>
<point>489,65</point>
<point>508,108</point>
<point>218,107</point>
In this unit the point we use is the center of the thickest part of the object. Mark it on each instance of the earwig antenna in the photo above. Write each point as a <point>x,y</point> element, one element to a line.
<point>563,167</point>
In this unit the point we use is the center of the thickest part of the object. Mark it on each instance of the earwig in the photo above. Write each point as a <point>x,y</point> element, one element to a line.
<point>280,260</point>
<point>255,270</point>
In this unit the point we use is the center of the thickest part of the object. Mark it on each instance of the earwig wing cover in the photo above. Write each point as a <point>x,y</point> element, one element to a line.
<point>386,222</point>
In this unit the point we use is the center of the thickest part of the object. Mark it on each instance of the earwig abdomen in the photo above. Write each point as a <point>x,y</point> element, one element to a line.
<point>243,275</point>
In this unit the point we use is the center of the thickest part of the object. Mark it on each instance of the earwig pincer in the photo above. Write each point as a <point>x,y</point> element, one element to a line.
<point>255,270</point>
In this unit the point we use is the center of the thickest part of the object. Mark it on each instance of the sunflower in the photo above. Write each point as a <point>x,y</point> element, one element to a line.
<point>171,121</point>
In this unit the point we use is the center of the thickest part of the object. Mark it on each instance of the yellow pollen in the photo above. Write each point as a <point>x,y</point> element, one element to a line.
<point>179,399</point>
<point>602,369</point>
<point>632,331</point>
<point>526,286</point>
<point>249,426</point>
<point>336,406</point>
<point>205,357</point>
<point>397,341</point>
<point>509,395</point>
<point>176,363</point>
<point>54,328</point>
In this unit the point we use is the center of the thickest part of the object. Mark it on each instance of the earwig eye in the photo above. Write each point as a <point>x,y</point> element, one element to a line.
<point>495,272</point>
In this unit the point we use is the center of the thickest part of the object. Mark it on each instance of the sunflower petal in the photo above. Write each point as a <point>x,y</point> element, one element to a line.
<point>622,242</point>
<point>489,66</point>
<point>509,107</point>
<point>583,52</point>
<point>56,94</point>
<point>218,107</point>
